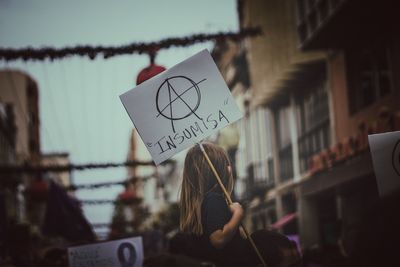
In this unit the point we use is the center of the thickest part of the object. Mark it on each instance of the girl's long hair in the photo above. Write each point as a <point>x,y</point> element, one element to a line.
<point>198,180</point>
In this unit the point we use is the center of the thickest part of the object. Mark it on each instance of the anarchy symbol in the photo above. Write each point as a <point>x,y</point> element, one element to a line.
<point>179,97</point>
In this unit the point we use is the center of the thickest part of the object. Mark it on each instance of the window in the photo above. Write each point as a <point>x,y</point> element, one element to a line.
<point>369,77</point>
<point>283,126</point>
<point>261,145</point>
<point>284,143</point>
<point>312,123</point>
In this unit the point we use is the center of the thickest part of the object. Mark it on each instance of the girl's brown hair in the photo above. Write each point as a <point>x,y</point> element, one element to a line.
<point>198,180</point>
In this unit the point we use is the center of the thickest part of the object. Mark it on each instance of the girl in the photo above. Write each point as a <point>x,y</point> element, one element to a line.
<point>213,225</point>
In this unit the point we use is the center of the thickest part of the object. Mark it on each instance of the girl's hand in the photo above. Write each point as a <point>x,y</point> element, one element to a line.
<point>220,238</point>
<point>236,209</point>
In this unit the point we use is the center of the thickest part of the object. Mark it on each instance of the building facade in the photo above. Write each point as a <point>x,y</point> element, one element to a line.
<point>19,97</point>
<point>363,59</point>
<point>20,90</point>
<point>8,185</point>
<point>19,144</point>
<point>318,84</point>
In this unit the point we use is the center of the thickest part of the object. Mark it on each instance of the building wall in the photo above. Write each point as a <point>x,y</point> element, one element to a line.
<point>19,90</point>
<point>7,133</point>
<point>14,87</point>
<point>8,183</point>
<point>138,151</point>
<point>280,75</point>
<point>342,204</point>
<point>347,123</point>
<point>246,141</point>
<point>131,155</point>
<point>59,159</point>
<point>337,74</point>
<point>275,54</point>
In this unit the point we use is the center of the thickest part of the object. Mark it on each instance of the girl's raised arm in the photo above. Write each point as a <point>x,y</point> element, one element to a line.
<point>220,238</point>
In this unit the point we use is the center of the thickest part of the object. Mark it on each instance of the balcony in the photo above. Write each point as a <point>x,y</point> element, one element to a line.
<point>312,142</point>
<point>286,163</point>
<point>334,24</point>
<point>257,184</point>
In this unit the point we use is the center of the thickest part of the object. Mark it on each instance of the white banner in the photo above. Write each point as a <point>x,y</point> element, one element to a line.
<point>124,252</point>
<point>181,106</point>
<point>385,150</point>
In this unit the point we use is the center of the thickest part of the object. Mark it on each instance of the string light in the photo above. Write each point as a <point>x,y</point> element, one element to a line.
<point>12,169</point>
<point>132,180</point>
<point>92,52</point>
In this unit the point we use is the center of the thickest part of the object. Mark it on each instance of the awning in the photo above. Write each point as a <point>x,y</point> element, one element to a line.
<point>284,220</point>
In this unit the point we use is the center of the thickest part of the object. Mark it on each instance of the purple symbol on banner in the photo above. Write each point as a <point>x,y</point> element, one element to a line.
<point>130,261</point>
<point>396,158</point>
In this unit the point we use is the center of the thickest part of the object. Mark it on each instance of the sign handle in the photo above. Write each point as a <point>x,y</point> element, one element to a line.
<point>229,200</point>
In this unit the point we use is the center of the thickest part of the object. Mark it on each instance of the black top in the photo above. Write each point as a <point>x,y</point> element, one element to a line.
<point>215,214</point>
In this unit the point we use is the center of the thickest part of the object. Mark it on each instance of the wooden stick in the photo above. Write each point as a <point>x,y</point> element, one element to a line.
<point>228,198</point>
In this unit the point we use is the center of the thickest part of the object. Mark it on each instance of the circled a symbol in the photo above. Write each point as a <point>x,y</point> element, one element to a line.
<point>131,259</point>
<point>396,158</point>
<point>177,98</point>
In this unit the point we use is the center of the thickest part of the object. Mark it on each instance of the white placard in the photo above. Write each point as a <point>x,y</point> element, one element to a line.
<point>385,150</point>
<point>181,106</point>
<point>126,252</point>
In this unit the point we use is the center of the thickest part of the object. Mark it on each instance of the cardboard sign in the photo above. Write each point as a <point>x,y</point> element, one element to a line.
<point>181,106</point>
<point>385,150</point>
<point>124,252</point>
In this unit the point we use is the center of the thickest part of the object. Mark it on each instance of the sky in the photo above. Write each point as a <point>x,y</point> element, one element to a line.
<point>80,110</point>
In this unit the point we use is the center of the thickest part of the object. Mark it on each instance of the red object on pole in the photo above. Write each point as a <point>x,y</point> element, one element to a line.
<point>127,194</point>
<point>128,197</point>
<point>149,72</point>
